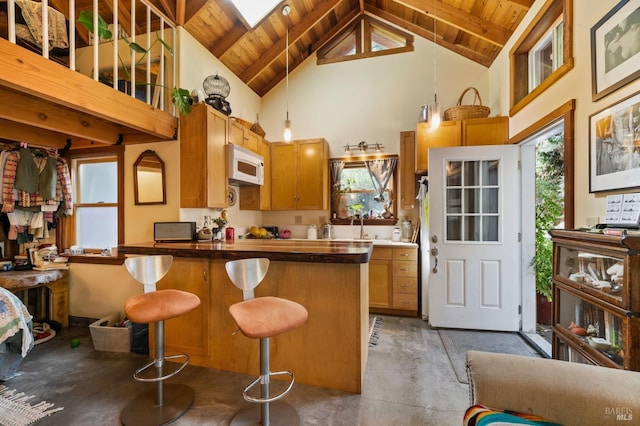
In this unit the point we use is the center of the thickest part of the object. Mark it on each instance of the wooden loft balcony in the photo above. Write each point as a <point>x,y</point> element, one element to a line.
<point>48,104</point>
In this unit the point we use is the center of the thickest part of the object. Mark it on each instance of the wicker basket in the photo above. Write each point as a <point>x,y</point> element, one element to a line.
<point>245,123</point>
<point>463,112</point>
<point>257,129</point>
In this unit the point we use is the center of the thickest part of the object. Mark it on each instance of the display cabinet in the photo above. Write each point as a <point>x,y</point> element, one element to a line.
<point>596,296</point>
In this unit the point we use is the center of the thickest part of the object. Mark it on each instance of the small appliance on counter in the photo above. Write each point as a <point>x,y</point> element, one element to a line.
<point>174,231</point>
<point>312,232</point>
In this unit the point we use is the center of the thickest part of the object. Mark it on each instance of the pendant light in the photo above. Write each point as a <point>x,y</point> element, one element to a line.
<point>435,107</point>
<point>287,123</point>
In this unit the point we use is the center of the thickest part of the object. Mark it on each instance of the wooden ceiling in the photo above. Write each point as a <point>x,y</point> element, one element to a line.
<point>475,29</point>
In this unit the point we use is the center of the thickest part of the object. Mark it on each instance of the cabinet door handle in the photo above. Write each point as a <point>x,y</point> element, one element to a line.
<point>404,254</point>
<point>204,275</point>
<point>403,269</point>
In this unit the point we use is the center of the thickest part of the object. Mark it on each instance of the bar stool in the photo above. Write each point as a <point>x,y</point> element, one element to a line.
<point>165,403</point>
<point>262,318</point>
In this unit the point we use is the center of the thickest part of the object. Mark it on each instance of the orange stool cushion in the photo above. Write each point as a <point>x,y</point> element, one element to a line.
<point>267,316</point>
<point>160,305</point>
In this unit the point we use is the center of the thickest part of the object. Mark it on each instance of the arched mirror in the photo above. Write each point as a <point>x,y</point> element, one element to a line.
<point>148,179</point>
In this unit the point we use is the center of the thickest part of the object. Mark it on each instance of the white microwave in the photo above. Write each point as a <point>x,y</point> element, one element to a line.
<point>245,166</point>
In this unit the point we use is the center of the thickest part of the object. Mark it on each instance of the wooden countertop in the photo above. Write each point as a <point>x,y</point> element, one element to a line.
<point>316,251</point>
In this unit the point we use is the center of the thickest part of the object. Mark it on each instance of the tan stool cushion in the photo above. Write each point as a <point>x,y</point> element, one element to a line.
<point>267,316</point>
<point>160,305</point>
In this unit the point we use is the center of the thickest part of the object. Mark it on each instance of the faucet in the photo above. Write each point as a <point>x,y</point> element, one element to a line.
<point>361,225</point>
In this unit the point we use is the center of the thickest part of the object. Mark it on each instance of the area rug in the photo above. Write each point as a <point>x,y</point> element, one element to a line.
<point>375,325</point>
<point>458,342</point>
<point>16,411</point>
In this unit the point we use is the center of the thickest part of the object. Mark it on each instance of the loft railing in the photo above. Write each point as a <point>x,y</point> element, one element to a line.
<point>113,61</point>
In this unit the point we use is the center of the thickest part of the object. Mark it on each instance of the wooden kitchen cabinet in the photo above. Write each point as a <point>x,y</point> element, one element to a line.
<point>407,170</point>
<point>300,175</point>
<point>258,197</point>
<point>475,131</point>
<point>381,278</point>
<point>241,136</point>
<point>393,280</point>
<point>203,159</point>
<point>188,333</point>
<point>596,280</point>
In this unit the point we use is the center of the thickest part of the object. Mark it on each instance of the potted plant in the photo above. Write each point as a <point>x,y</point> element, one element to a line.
<point>179,96</point>
<point>549,212</point>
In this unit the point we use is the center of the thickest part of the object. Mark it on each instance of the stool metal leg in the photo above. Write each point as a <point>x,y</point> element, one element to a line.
<point>283,413</point>
<point>164,404</point>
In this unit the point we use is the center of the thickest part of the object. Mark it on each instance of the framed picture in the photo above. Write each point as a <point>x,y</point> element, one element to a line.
<point>614,146</point>
<point>615,49</point>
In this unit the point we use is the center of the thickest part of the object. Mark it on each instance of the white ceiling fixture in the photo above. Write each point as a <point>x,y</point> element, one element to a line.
<point>253,11</point>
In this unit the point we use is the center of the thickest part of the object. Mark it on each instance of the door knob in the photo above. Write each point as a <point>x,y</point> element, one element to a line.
<point>434,253</point>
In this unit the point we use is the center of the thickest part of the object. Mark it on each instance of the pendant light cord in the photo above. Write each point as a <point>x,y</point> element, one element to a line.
<point>435,54</point>
<point>286,54</point>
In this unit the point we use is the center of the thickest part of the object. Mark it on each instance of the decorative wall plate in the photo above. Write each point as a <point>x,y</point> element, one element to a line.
<point>233,197</point>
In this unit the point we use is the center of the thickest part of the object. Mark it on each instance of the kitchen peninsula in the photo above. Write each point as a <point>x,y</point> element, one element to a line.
<point>329,278</point>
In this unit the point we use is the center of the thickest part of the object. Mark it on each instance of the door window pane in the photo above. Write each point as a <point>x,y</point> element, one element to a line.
<point>489,200</point>
<point>471,200</point>
<point>454,228</point>
<point>454,178</point>
<point>471,173</point>
<point>454,201</point>
<point>490,228</point>
<point>472,228</point>
<point>490,172</point>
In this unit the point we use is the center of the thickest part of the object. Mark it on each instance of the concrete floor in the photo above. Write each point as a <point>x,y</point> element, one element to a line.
<point>409,381</point>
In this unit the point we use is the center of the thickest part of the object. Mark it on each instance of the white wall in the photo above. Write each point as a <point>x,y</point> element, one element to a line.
<point>370,99</point>
<point>574,85</point>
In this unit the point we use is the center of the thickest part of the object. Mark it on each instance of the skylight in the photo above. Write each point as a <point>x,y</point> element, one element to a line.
<point>253,11</point>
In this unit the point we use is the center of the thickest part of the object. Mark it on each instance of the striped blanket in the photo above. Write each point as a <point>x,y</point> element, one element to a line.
<point>14,317</point>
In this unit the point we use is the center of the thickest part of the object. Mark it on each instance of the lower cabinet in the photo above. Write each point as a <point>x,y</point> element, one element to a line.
<point>393,280</point>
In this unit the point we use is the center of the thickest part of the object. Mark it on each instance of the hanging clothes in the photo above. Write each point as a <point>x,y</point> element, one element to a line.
<point>36,173</point>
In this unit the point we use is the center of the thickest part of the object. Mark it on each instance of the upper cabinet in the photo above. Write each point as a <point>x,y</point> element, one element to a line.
<point>241,136</point>
<point>203,171</point>
<point>300,175</point>
<point>476,131</point>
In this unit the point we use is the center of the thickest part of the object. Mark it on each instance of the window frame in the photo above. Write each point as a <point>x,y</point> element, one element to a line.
<point>65,233</point>
<point>362,29</point>
<point>542,23</point>
<point>353,162</point>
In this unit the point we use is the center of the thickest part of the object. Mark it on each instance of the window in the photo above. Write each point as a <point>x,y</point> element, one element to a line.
<point>356,195</point>
<point>97,222</point>
<point>365,38</point>
<point>543,54</point>
<point>253,11</point>
<point>546,56</point>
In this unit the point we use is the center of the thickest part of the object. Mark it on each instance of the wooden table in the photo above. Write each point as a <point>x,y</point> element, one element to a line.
<point>56,281</point>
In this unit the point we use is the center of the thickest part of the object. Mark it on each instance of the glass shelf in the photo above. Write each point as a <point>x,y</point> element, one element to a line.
<point>596,330</point>
<point>601,275</point>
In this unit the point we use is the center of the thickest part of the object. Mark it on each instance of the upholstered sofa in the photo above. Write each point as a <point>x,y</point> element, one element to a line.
<point>560,391</point>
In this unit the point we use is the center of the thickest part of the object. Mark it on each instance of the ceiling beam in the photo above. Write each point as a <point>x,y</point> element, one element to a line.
<point>297,32</point>
<point>525,4</point>
<point>19,132</point>
<point>189,9</point>
<point>347,20</point>
<point>36,113</point>
<point>462,20</point>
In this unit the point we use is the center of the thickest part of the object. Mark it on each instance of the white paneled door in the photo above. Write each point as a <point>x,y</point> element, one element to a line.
<point>474,232</point>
